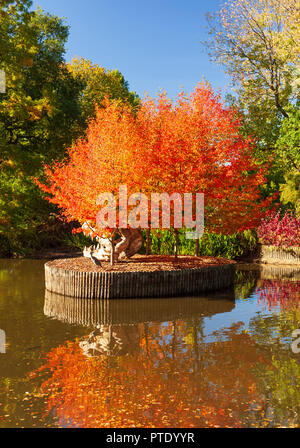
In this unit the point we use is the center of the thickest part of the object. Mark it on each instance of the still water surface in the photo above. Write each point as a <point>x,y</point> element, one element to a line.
<point>219,360</point>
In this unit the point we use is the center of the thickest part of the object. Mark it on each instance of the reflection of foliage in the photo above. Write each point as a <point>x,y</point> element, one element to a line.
<point>20,403</point>
<point>280,378</point>
<point>165,383</point>
<point>28,334</point>
<point>111,340</point>
<point>281,384</point>
<point>245,282</point>
<point>277,293</point>
<point>170,374</point>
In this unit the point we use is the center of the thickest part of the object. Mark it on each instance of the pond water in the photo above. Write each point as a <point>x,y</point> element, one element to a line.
<point>220,360</point>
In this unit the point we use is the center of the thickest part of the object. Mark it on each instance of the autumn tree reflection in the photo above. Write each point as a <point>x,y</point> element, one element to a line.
<point>279,293</point>
<point>166,376</point>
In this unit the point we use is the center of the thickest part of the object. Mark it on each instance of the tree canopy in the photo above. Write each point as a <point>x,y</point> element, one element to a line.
<point>257,43</point>
<point>99,83</point>
<point>44,107</point>
<point>192,146</point>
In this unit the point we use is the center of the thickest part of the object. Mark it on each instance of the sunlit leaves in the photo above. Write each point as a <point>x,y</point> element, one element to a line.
<point>192,145</point>
<point>280,231</point>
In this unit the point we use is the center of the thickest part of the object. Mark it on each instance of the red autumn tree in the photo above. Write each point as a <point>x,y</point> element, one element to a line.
<point>194,146</point>
<point>190,146</point>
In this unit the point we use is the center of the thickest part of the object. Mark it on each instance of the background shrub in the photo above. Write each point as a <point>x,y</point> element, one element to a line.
<point>227,246</point>
<point>280,231</point>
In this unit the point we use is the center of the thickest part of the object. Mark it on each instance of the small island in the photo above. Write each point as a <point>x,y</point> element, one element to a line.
<point>140,276</point>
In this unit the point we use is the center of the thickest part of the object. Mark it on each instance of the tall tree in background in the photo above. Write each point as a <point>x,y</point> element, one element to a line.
<point>288,157</point>
<point>39,105</point>
<point>40,101</point>
<point>99,83</point>
<point>258,43</point>
<point>46,106</point>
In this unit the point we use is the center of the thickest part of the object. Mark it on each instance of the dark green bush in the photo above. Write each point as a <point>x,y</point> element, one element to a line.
<point>227,246</point>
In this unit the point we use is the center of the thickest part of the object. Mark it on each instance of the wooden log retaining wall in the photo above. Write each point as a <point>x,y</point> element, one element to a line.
<point>273,254</point>
<point>108,285</point>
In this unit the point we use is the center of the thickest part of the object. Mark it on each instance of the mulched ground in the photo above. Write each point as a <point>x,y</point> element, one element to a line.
<point>141,263</point>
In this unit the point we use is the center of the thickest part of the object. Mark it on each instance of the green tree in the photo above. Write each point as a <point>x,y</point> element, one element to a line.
<point>257,42</point>
<point>288,143</point>
<point>40,103</point>
<point>44,109</point>
<point>288,157</point>
<point>98,83</point>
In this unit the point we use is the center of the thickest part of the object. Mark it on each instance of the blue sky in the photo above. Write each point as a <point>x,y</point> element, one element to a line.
<point>155,44</point>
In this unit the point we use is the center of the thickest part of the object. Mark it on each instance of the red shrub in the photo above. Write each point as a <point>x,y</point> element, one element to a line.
<point>276,231</point>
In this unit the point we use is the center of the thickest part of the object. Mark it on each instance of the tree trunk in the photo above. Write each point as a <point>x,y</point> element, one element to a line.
<point>148,242</point>
<point>279,106</point>
<point>112,254</point>
<point>109,249</point>
<point>197,248</point>
<point>176,244</point>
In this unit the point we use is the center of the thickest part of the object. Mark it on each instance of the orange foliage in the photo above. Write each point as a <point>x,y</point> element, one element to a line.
<point>193,145</point>
<point>163,384</point>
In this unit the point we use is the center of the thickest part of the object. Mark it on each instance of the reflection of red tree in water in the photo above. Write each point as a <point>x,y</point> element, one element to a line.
<point>162,384</point>
<point>274,293</point>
